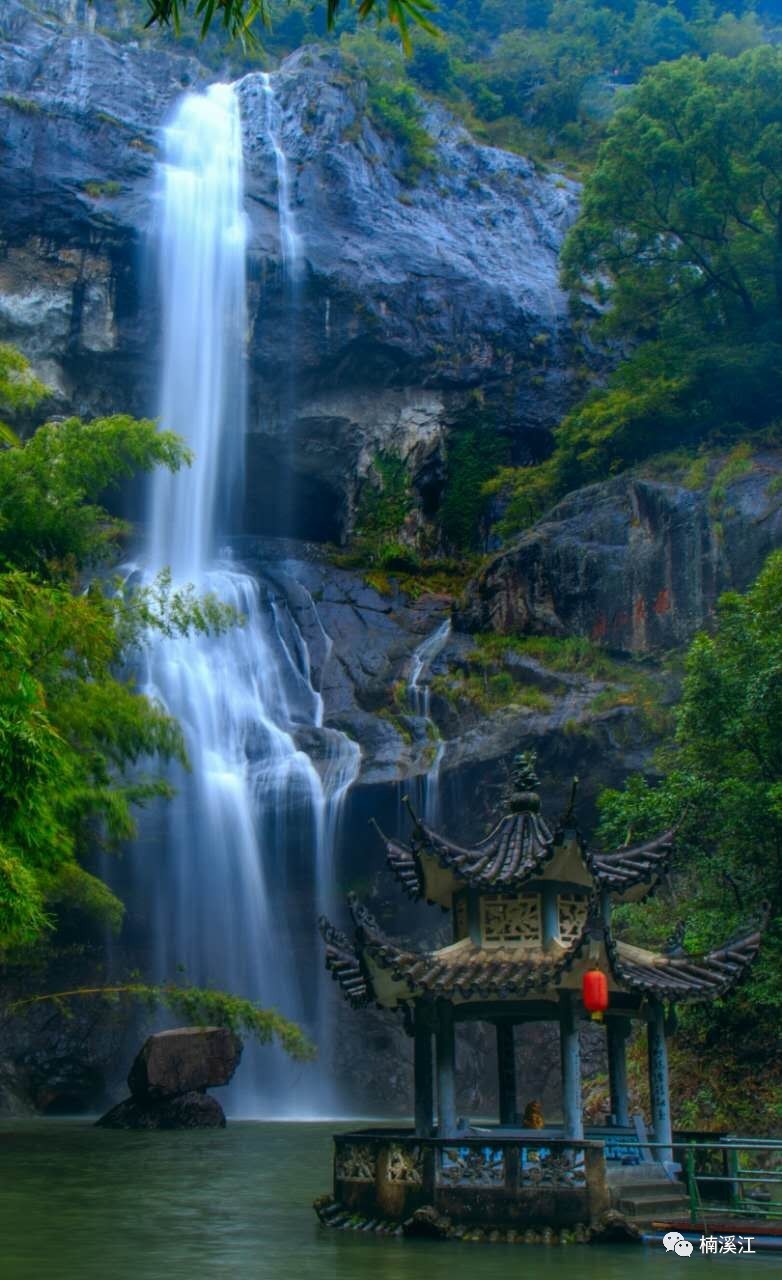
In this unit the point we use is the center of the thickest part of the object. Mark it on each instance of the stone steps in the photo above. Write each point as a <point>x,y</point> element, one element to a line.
<point>647,1200</point>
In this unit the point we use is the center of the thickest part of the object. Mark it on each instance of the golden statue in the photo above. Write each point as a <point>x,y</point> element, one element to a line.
<point>533,1116</point>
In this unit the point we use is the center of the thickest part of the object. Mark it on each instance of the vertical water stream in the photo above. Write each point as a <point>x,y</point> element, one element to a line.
<point>419,694</point>
<point>254,804</point>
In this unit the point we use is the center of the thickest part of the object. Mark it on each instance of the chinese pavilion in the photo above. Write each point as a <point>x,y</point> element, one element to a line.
<point>530,909</point>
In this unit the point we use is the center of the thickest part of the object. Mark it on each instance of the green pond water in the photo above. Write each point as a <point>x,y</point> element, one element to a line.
<point>78,1203</point>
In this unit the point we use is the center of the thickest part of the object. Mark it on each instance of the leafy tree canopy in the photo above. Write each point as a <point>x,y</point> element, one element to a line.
<point>682,215</point>
<point>238,16</point>
<point>678,247</point>
<point>73,731</point>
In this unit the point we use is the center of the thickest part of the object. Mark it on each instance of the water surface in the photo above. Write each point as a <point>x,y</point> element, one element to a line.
<point>78,1203</point>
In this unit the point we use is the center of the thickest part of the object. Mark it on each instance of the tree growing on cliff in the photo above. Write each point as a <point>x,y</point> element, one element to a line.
<point>678,246</point>
<point>722,784</point>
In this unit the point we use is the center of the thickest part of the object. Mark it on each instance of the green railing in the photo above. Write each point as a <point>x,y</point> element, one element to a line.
<point>735,1180</point>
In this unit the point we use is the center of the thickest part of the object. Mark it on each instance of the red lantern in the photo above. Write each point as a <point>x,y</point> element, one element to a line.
<point>594,992</point>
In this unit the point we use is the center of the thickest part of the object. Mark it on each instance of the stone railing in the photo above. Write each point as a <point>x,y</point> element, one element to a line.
<point>515,1181</point>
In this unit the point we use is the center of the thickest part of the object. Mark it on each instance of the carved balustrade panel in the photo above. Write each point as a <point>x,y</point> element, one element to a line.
<point>544,1167</point>
<point>355,1163</point>
<point>405,1164</point>
<point>470,1166</point>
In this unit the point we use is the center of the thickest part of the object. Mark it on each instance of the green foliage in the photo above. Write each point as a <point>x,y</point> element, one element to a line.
<point>392,102</point>
<point>722,783</point>
<point>50,516</point>
<point>98,190</point>
<point>679,217</point>
<point>489,691</point>
<point>573,654</point>
<point>678,243</point>
<point>201,1006</point>
<point>385,502</point>
<point>26,106</point>
<point>73,732</point>
<point>19,389</point>
<point>238,16</point>
<point>474,454</point>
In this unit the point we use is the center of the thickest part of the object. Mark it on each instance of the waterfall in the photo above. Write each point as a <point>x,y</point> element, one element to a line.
<point>254,812</point>
<point>419,695</point>
<point>289,238</point>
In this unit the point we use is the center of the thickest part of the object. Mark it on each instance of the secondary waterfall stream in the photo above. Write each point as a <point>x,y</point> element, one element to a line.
<point>253,800</point>
<point>419,694</point>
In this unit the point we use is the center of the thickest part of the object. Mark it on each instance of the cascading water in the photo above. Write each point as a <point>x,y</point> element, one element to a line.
<point>254,804</point>
<point>419,694</point>
<point>289,237</point>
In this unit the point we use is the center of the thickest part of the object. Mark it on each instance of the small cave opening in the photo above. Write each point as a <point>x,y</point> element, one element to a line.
<point>284,501</point>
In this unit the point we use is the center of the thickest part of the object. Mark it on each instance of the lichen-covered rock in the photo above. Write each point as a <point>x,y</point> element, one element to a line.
<point>191,1110</point>
<point>614,1228</point>
<point>635,563</point>
<point>176,1062</point>
<point>427,1223</point>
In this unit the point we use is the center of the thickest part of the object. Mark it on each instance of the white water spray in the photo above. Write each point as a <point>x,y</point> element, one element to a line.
<point>254,809</point>
<point>289,238</point>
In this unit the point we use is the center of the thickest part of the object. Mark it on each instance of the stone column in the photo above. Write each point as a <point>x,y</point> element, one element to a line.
<point>617,1032</point>
<point>423,1066</point>
<point>658,1081</point>
<point>506,1070</point>
<point>446,1084</point>
<point>570,1052</point>
<point>550,906</point>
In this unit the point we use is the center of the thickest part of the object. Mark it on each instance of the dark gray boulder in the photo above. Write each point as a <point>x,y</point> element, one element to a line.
<point>187,1059</point>
<point>191,1110</point>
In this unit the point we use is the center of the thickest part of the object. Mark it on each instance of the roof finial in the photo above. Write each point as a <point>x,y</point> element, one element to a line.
<point>523,794</point>
<point>569,814</point>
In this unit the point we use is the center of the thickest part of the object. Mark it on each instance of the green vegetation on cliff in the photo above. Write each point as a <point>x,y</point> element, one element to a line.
<point>722,784</point>
<point>678,249</point>
<point>78,742</point>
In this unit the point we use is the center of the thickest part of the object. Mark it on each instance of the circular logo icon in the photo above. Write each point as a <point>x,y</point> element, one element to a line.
<point>671,1239</point>
<point>683,1248</point>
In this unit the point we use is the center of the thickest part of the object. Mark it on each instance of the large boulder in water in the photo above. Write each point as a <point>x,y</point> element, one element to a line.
<point>191,1110</point>
<point>185,1060</point>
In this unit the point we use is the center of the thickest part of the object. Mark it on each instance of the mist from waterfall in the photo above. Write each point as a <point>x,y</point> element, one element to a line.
<point>254,806</point>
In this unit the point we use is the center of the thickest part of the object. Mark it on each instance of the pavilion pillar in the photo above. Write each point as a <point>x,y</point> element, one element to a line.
<point>446,1082</point>
<point>423,1069</point>
<point>506,1068</point>
<point>550,905</point>
<point>659,1089</point>
<point>570,1053</point>
<point>617,1032</point>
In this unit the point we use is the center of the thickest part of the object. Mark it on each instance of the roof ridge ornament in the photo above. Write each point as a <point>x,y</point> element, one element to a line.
<point>568,817</point>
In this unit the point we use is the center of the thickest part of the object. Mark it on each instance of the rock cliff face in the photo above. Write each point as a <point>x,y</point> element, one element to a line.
<point>407,297</point>
<point>636,564</point>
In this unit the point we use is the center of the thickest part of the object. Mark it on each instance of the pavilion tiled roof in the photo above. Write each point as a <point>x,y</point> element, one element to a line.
<point>464,969</point>
<point>685,977</point>
<point>625,869</point>
<point>344,964</point>
<point>467,971</point>
<point>517,850</point>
